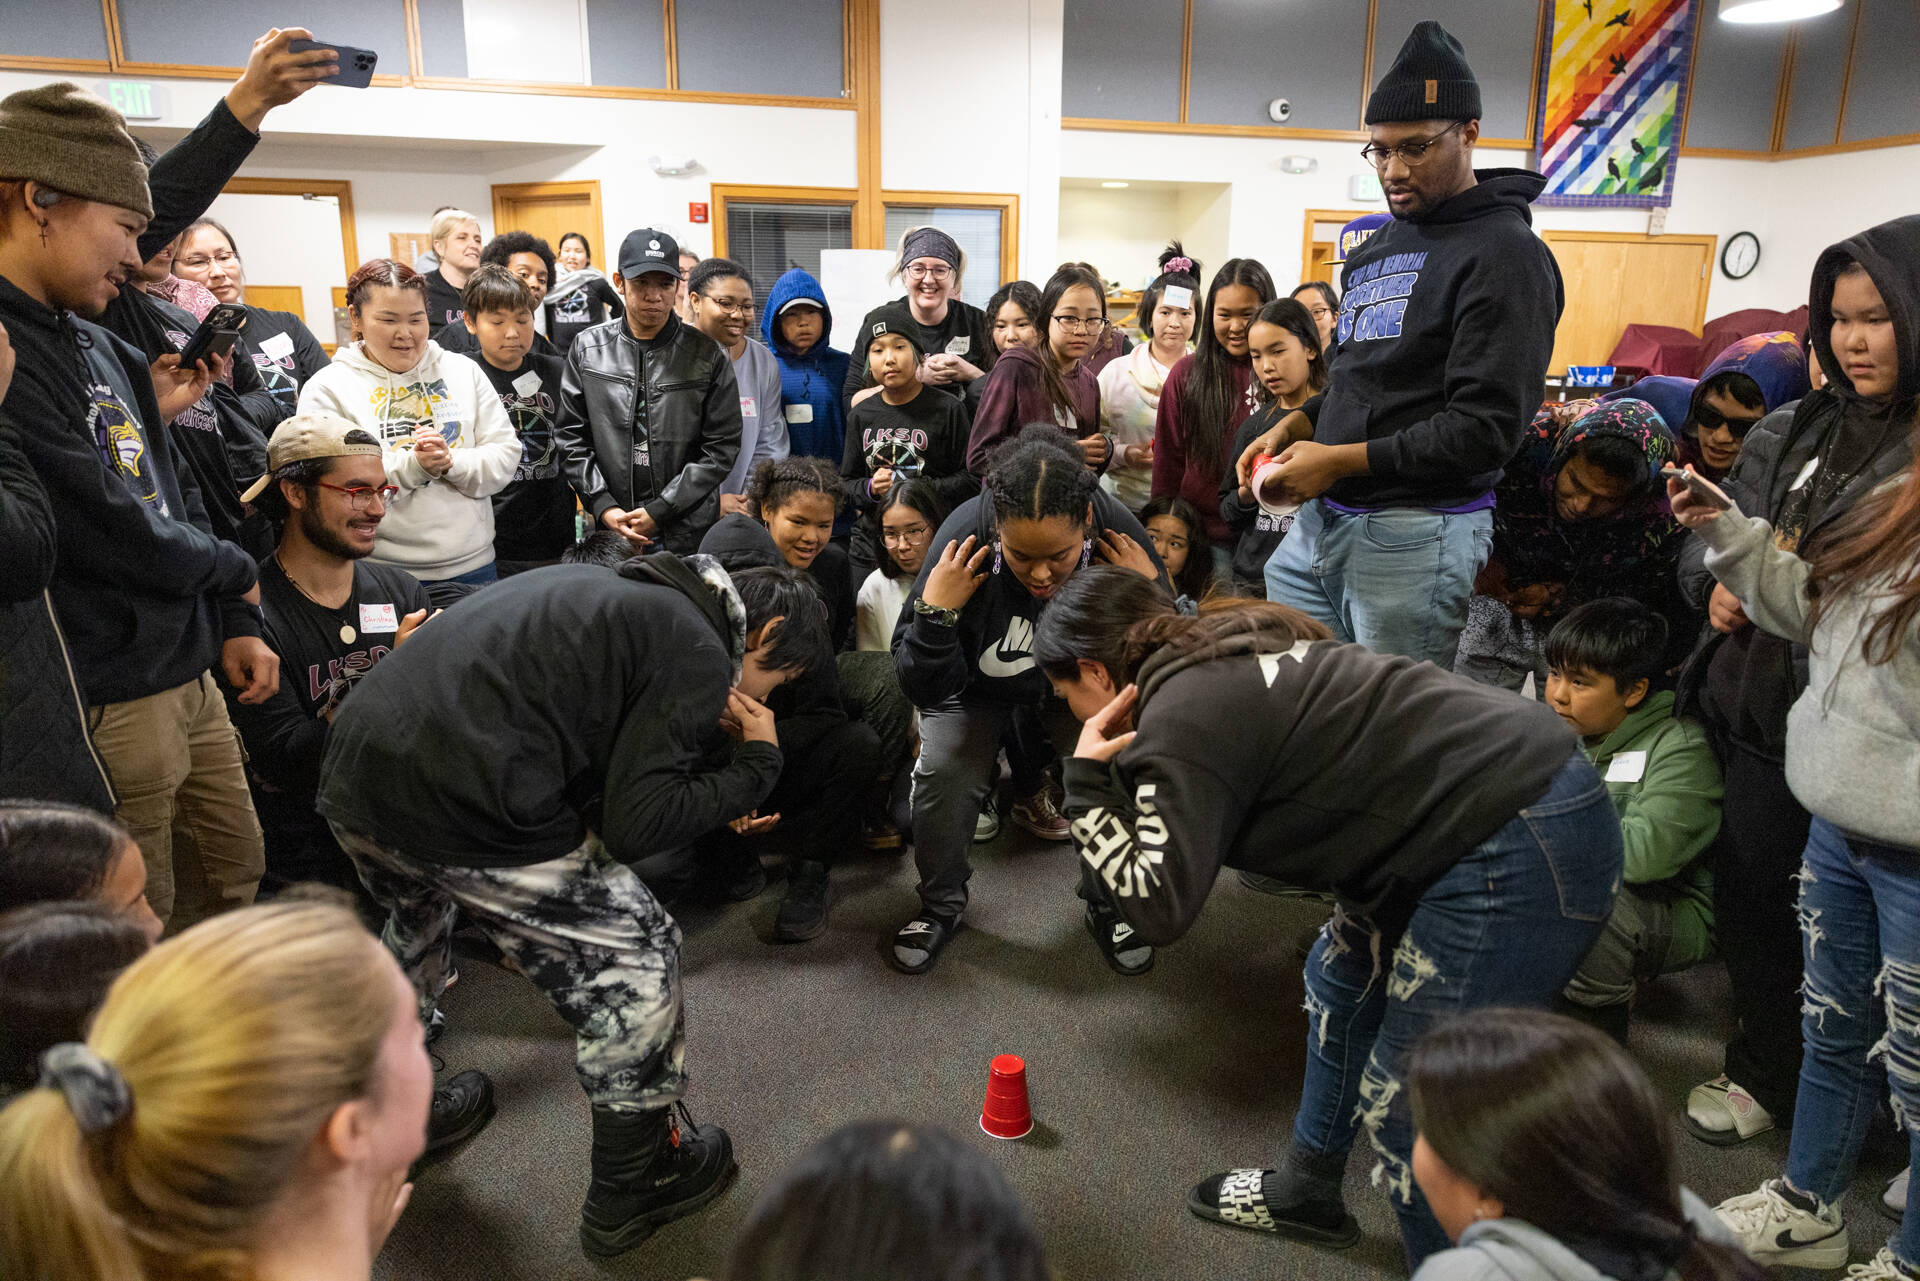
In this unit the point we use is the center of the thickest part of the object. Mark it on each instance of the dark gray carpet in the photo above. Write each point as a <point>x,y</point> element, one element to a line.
<point>1140,1086</point>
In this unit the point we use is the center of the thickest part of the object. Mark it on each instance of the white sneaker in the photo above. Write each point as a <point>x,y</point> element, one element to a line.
<point>1778,1233</point>
<point>1883,1268</point>
<point>1895,1197</point>
<point>1721,1113</point>
<point>987,826</point>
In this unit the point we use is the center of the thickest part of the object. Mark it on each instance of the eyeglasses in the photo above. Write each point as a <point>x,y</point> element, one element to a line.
<point>1081,325</point>
<point>911,534</point>
<point>1707,418</point>
<point>360,497</point>
<point>939,271</point>
<point>1320,313</point>
<point>1411,154</point>
<point>199,262</point>
<point>733,306</point>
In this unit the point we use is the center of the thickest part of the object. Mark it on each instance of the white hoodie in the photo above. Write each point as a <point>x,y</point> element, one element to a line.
<point>438,527</point>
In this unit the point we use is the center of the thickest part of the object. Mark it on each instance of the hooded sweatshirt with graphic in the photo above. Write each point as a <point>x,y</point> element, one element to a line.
<point>1800,470</point>
<point>987,659</point>
<point>576,698</point>
<point>810,381</point>
<point>1445,331</point>
<point>1630,553</point>
<point>1366,774</point>
<point>441,527</point>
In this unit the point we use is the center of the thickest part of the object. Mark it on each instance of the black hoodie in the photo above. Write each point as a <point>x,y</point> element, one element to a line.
<point>576,698</point>
<point>146,594</point>
<point>988,657</point>
<point>1365,774</point>
<point>1446,328</point>
<point>1802,467</point>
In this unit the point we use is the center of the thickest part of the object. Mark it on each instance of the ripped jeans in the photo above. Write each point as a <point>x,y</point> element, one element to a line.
<point>1860,938</point>
<point>1506,925</point>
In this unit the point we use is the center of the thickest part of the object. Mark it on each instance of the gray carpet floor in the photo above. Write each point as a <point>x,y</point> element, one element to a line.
<point>1140,1086</point>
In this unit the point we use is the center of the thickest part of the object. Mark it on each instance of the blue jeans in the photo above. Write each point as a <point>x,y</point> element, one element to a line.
<point>1860,938</point>
<point>446,591</point>
<point>1506,925</point>
<point>1396,580</point>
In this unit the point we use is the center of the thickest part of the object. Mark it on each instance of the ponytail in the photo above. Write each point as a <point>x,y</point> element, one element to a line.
<point>57,1223</point>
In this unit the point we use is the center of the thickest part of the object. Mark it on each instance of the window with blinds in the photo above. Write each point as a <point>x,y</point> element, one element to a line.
<point>770,239</point>
<point>976,231</point>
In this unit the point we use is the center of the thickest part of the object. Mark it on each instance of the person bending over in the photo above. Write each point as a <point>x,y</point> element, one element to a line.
<point>613,689</point>
<point>1605,661</point>
<point>1470,844</point>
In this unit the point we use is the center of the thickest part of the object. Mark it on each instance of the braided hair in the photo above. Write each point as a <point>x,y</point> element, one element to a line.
<point>1038,474</point>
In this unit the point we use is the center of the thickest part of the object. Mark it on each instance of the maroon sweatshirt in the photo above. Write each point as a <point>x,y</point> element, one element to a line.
<point>1173,472</point>
<point>1016,394</point>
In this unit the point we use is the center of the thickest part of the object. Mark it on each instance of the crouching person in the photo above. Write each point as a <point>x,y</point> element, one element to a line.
<point>512,768</point>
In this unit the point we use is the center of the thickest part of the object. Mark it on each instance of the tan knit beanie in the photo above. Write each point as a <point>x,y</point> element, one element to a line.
<point>63,137</point>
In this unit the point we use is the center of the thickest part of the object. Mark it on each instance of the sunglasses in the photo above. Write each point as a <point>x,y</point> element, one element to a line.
<point>1707,418</point>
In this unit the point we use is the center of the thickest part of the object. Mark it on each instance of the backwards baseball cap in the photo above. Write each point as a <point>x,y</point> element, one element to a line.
<point>647,250</point>
<point>893,318</point>
<point>306,436</point>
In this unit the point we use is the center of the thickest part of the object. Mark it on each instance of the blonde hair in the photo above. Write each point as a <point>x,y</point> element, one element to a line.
<point>445,221</point>
<point>237,1040</point>
<point>900,257</point>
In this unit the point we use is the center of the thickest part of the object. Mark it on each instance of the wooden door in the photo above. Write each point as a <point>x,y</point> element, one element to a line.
<point>1616,279</point>
<point>277,298</point>
<point>550,210</point>
<point>1320,245</point>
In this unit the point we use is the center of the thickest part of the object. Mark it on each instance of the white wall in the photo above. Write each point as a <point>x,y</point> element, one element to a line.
<point>1120,232</point>
<point>289,240</point>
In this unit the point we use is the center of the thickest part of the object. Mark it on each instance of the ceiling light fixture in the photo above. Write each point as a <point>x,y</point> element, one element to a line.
<point>1756,11</point>
<point>1113,186</point>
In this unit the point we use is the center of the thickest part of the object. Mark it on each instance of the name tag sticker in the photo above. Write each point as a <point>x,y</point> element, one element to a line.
<point>1806,474</point>
<point>1627,767</point>
<point>1177,296</point>
<point>747,408</point>
<point>799,413</point>
<point>528,383</point>
<point>278,347</point>
<point>378,618</point>
<point>959,346</point>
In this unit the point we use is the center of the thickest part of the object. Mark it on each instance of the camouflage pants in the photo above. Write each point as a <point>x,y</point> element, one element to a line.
<point>582,927</point>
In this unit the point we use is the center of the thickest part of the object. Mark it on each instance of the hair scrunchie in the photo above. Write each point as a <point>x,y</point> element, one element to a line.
<point>1179,267</point>
<point>95,1091</point>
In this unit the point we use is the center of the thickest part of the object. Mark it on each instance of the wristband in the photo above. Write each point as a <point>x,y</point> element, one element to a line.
<point>933,613</point>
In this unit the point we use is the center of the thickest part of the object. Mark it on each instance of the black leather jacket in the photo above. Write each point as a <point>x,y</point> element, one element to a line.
<point>670,452</point>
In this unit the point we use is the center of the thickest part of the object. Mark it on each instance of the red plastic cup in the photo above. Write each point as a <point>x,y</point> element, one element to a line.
<point>1007,1114</point>
<point>1271,499</point>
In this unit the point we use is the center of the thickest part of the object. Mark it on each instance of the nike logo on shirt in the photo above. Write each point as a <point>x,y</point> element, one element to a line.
<point>1011,655</point>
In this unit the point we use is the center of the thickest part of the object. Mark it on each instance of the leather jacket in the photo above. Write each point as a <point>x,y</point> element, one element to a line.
<point>652,424</point>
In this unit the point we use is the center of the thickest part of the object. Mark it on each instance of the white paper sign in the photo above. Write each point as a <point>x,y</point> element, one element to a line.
<point>1177,296</point>
<point>278,347</point>
<point>799,413</point>
<point>378,618</point>
<point>528,383</point>
<point>747,408</point>
<point>1627,767</point>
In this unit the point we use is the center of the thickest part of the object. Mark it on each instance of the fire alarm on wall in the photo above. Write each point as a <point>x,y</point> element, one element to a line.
<point>696,211</point>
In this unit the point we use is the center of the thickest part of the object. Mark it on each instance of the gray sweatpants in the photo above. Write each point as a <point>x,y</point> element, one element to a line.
<point>582,927</point>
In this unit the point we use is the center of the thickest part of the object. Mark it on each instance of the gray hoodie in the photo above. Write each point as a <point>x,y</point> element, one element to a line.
<point>1514,1250</point>
<point>1853,735</point>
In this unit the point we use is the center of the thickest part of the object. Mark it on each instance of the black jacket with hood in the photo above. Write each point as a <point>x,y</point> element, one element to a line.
<point>652,424</point>
<point>1365,774</point>
<point>1446,328</point>
<point>1836,442</point>
<point>578,698</point>
<point>988,658</point>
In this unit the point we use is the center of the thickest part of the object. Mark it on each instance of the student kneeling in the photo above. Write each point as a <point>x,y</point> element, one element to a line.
<point>1602,660</point>
<point>513,766</point>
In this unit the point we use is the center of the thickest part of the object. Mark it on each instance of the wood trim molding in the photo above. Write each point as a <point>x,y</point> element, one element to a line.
<point>1726,153</point>
<point>116,50</point>
<point>1366,60</point>
<point>338,188</point>
<point>1186,57</point>
<point>1312,216</point>
<point>1783,91</point>
<point>1846,76</point>
<point>1533,84</point>
<point>1230,131</point>
<point>416,46</point>
<point>863,80</point>
<point>1861,144</point>
<point>671,33</point>
<point>622,91</point>
<point>720,193</point>
<point>78,66</point>
<point>1006,202</point>
<point>1693,67</point>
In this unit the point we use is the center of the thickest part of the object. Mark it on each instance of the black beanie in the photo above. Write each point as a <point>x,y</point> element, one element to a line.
<point>1429,80</point>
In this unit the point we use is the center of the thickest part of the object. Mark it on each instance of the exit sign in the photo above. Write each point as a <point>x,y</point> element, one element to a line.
<point>135,99</point>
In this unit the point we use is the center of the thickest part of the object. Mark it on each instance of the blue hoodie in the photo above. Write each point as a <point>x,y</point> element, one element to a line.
<point>810,382</point>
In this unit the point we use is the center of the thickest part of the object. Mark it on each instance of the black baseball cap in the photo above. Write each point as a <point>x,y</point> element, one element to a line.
<point>647,250</point>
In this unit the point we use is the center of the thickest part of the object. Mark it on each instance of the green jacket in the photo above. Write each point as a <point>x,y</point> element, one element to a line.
<point>1669,807</point>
